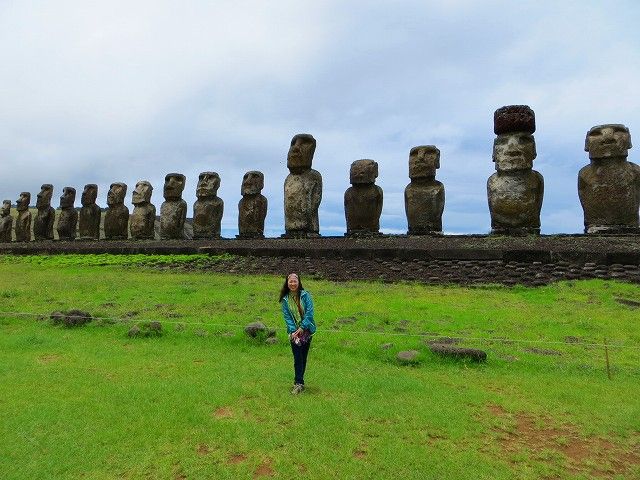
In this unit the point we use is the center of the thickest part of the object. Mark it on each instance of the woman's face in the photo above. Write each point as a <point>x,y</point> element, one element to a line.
<point>292,282</point>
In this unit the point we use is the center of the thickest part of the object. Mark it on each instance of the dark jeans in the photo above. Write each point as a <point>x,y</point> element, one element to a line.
<point>300,353</point>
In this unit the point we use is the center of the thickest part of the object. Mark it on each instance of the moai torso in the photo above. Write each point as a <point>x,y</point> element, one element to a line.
<point>45,215</point>
<point>116,218</point>
<point>143,218</point>
<point>424,196</point>
<point>90,213</point>
<point>208,209</point>
<point>252,208</point>
<point>6,222</point>
<point>68,218</point>
<point>363,200</point>
<point>173,211</point>
<point>23,221</point>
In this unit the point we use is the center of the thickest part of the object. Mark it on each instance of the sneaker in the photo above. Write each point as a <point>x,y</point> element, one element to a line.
<point>297,388</point>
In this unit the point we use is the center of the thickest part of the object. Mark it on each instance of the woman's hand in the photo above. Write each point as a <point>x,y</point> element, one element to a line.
<point>297,333</point>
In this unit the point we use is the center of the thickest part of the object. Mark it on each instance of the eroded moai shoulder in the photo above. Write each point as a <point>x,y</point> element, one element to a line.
<point>68,218</point>
<point>424,196</point>
<point>252,208</point>
<point>23,221</point>
<point>90,213</point>
<point>116,218</point>
<point>143,217</point>
<point>6,222</point>
<point>363,200</point>
<point>208,208</point>
<point>173,211</point>
<point>45,215</point>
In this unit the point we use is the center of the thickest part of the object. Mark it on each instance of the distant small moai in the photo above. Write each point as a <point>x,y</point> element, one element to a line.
<point>23,221</point>
<point>68,218</point>
<point>609,187</point>
<point>208,208</point>
<point>424,196</point>
<point>116,218</point>
<point>6,221</point>
<point>89,219</point>
<point>302,189</point>
<point>46,214</point>
<point>252,208</point>
<point>363,200</point>
<point>143,218</point>
<point>515,191</point>
<point>173,211</point>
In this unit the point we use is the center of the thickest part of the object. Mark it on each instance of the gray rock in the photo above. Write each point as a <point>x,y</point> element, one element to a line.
<point>424,196</point>
<point>452,351</point>
<point>408,356</point>
<point>173,211</point>
<point>46,214</point>
<point>116,219</point>
<point>68,218</point>
<point>271,341</point>
<point>363,200</point>
<point>208,209</point>
<point>89,218</point>
<point>255,329</point>
<point>143,218</point>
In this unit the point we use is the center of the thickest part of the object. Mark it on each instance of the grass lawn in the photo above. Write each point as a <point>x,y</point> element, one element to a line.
<point>204,401</point>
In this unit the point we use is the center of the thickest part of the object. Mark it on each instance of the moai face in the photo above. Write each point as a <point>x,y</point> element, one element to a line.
<point>173,186</point>
<point>23,201</point>
<point>6,208</point>
<point>117,192</point>
<point>514,151</point>
<point>208,184</point>
<point>44,197</point>
<point>252,183</point>
<point>142,193</point>
<point>423,162</point>
<point>363,172</point>
<point>608,141</point>
<point>89,194</point>
<point>301,151</point>
<point>68,197</point>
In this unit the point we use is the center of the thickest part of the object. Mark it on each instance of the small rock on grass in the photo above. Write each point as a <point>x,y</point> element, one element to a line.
<point>452,351</point>
<point>386,346</point>
<point>72,318</point>
<point>271,341</point>
<point>408,356</point>
<point>146,329</point>
<point>256,329</point>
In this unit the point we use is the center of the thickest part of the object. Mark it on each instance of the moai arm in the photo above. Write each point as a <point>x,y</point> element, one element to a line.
<point>379,203</point>
<point>540,191</point>
<point>316,194</point>
<point>440,197</point>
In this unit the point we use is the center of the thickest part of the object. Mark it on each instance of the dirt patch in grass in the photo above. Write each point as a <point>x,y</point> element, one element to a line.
<point>359,453</point>
<point>52,357</point>
<point>223,412</point>
<point>236,458</point>
<point>264,469</point>
<point>203,449</point>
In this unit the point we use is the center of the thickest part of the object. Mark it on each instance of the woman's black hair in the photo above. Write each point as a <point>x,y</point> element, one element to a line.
<point>284,291</point>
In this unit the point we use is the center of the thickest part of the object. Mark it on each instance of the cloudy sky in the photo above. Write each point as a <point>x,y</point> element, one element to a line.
<point>97,92</point>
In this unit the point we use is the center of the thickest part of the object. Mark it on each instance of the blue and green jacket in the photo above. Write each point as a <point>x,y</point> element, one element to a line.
<point>307,322</point>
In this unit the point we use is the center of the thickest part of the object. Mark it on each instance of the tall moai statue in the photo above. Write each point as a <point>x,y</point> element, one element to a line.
<point>208,208</point>
<point>302,189</point>
<point>143,218</point>
<point>252,208</point>
<point>424,196</point>
<point>609,187</point>
<point>515,191</point>
<point>6,221</point>
<point>89,221</point>
<point>116,218</point>
<point>363,200</point>
<point>46,214</point>
<point>173,211</point>
<point>23,221</point>
<point>68,218</point>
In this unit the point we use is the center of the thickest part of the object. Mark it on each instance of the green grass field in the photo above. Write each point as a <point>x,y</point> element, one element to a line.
<point>204,401</point>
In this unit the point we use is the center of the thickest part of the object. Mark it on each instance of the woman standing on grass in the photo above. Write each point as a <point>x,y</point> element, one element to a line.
<point>297,310</point>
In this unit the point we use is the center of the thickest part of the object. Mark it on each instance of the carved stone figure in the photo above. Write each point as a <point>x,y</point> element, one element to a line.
<point>89,228</point>
<point>68,218</point>
<point>208,208</point>
<point>363,200</point>
<point>252,208</point>
<point>515,191</point>
<point>6,221</point>
<point>46,214</point>
<point>23,221</point>
<point>424,196</point>
<point>609,188</point>
<point>302,189</point>
<point>143,218</point>
<point>173,211</point>
<point>116,218</point>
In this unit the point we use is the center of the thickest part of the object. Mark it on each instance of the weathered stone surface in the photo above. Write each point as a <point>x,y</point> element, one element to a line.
<point>447,350</point>
<point>23,221</point>
<point>68,218</point>
<point>609,188</point>
<point>6,221</point>
<point>89,218</point>
<point>302,189</point>
<point>116,219</point>
<point>173,211</point>
<point>72,318</point>
<point>424,196</point>
<point>255,329</point>
<point>252,208</point>
<point>514,118</point>
<point>146,329</point>
<point>142,221</point>
<point>363,200</point>
<point>46,214</point>
<point>208,209</point>
<point>408,356</point>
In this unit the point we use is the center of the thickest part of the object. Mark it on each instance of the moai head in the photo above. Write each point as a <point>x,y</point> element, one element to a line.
<point>142,193</point>
<point>252,183</point>
<point>6,208</point>
<point>44,197</point>
<point>363,172</point>
<point>68,197</point>
<point>23,201</point>
<point>423,162</point>
<point>173,186</point>
<point>301,152</point>
<point>117,192</point>
<point>89,194</point>
<point>514,147</point>
<point>208,184</point>
<point>608,141</point>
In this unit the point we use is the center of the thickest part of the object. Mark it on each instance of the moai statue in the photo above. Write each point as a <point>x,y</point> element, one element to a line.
<point>68,218</point>
<point>424,196</point>
<point>173,211</point>
<point>252,209</point>
<point>363,200</point>
<point>6,221</point>
<point>23,222</point>
<point>116,218</point>
<point>208,208</point>
<point>89,213</point>
<point>609,188</point>
<point>302,189</point>
<point>143,218</point>
<point>43,223</point>
<point>515,191</point>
